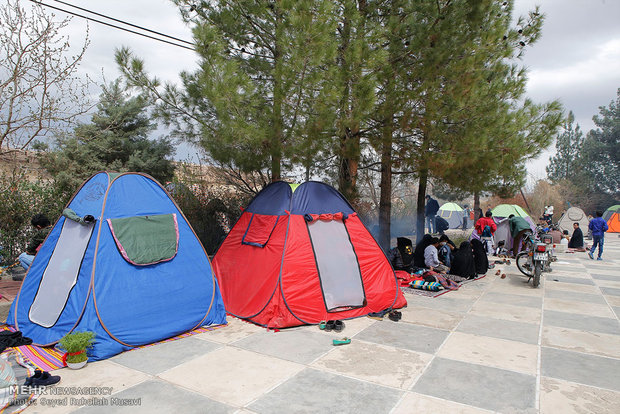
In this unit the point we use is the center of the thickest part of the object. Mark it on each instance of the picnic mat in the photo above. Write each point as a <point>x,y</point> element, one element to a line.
<point>49,358</point>
<point>431,294</point>
<point>16,400</point>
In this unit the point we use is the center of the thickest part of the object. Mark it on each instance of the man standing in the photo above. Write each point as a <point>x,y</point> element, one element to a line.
<point>430,211</point>
<point>598,226</point>
<point>518,227</point>
<point>486,227</point>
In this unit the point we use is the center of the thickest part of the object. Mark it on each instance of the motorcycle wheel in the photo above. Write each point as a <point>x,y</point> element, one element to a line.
<point>537,273</point>
<point>523,262</point>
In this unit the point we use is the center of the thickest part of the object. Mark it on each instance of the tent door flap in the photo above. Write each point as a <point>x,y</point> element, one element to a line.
<point>61,273</point>
<point>337,265</point>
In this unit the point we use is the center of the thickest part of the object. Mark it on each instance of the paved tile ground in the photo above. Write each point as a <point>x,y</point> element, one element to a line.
<point>496,345</point>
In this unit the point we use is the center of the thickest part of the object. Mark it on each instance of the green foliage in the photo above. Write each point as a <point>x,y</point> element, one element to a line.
<point>588,169</point>
<point>21,199</point>
<point>116,139</point>
<point>565,164</point>
<point>76,342</point>
<point>601,151</point>
<point>210,211</point>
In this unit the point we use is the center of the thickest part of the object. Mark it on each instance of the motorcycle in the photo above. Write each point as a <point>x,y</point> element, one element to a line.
<point>535,257</point>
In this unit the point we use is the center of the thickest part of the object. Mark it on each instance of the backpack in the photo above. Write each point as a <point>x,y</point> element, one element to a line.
<point>486,232</point>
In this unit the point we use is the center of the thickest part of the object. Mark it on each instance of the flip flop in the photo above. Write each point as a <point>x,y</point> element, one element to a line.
<point>343,341</point>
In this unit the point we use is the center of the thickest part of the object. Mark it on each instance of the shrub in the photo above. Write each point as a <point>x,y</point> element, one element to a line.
<point>21,199</point>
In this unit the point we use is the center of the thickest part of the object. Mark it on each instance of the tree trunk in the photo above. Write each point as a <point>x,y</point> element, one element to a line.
<point>278,97</point>
<point>419,219</point>
<point>351,72</point>
<point>385,200</point>
<point>476,206</point>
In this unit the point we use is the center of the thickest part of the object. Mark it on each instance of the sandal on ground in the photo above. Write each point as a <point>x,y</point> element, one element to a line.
<point>343,341</point>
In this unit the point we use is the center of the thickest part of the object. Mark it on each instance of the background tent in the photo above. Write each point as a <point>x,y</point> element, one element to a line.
<point>301,257</point>
<point>610,212</point>
<point>137,275</point>
<point>505,210</point>
<point>453,214</point>
<point>612,216</point>
<point>572,215</point>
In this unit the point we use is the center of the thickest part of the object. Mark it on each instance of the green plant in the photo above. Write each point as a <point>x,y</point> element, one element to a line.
<point>20,199</point>
<point>75,344</point>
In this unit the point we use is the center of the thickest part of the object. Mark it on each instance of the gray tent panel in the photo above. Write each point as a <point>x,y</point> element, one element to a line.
<point>339,271</point>
<point>572,215</point>
<point>61,273</point>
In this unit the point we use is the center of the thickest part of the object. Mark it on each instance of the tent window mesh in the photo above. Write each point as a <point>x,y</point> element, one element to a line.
<point>61,273</point>
<point>339,271</point>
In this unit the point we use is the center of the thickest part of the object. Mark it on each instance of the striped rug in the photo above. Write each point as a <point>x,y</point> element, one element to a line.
<point>434,294</point>
<point>49,358</point>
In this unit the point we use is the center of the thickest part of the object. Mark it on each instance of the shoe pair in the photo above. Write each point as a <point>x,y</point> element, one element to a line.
<point>395,316</point>
<point>335,325</point>
<point>41,379</point>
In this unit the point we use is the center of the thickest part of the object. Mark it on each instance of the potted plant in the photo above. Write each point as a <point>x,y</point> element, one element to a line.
<point>75,345</point>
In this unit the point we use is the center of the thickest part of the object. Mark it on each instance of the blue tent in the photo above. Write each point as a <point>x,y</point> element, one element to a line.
<point>136,275</point>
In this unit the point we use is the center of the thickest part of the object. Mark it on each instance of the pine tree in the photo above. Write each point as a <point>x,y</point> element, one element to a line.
<point>116,139</point>
<point>568,146</point>
<point>600,160</point>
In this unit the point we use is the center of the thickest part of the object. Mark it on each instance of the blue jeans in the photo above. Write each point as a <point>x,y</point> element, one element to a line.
<point>596,239</point>
<point>430,223</point>
<point>25,260</point>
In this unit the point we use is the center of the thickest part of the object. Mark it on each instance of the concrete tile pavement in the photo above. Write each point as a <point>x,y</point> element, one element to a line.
<point>496,345</point>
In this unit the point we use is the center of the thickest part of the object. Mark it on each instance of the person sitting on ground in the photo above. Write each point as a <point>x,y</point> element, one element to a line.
<point>42,225</point>
<point>481,261</point>
<point>463,264</point>
<point>446,250</point>
<point>401,256</point>
<point>518,227</point>
<point>576,240</point>
<point>418,252</point>
<point>500,250</point>
<point>431,257</point>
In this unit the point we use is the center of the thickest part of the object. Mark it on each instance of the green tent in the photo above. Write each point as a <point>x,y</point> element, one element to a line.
<point>505,210</point>
<point>610,212</point>
<point>453,214</point>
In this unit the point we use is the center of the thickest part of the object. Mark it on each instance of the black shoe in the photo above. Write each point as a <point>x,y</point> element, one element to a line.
<point>37,374</point>
<point>330,325</point>
<point>44,380</point>
<point>395,316</point>
<point>338,326</point>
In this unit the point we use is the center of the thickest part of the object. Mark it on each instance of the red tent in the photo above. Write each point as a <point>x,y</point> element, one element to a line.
<point>301,257</point>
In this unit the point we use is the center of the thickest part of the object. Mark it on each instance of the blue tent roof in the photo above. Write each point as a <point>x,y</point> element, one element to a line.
<point>311,197</point>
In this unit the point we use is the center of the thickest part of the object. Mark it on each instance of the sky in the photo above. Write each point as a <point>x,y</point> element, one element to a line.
<point>576,61</point>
